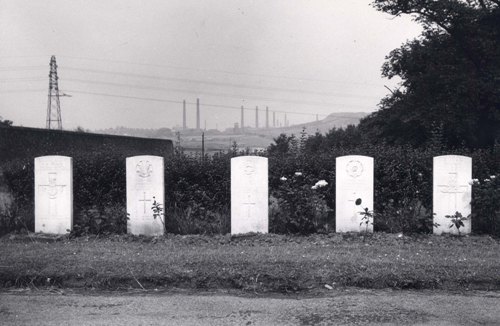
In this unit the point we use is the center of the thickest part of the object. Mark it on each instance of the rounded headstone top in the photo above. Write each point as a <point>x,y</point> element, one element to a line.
<point>249,158</point>
<point>453,157</point>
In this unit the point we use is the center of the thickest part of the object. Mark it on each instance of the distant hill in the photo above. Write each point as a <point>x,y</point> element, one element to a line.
<point>334,120</point>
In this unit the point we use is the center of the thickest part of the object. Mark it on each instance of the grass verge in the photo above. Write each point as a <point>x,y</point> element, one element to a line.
<point>259,263</point>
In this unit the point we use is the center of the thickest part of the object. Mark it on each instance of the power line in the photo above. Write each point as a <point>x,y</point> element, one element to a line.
<point>168,101</point>
<point>186,80</point>
<point>236,96</point>
<point>21,91</point>
<point>22,68</point>
<point>218,71</point>
<point>232,95</point>
<point>193,103</point>
<point>9,80</point>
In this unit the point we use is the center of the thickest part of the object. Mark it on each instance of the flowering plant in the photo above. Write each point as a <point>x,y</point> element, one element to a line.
<point>298,207</point>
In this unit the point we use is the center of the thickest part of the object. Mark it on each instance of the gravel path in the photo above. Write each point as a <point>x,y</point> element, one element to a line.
<point>336,307</point>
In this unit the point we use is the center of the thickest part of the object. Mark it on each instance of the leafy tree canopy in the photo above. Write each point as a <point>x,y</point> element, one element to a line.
<point>450,76</point>
<point>5,123</point>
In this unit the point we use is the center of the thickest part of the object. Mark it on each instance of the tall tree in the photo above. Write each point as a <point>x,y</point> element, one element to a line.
<point>450,76</point>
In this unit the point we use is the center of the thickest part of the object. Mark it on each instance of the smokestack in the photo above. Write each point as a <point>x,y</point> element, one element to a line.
<point>267,117</point>
<point>198,113</point>
<point>274,119</point>
<point>286,121</point>
<point>256,117</point>
<point>184,125</point>
<point>317,117</point>
<point>242,119</point>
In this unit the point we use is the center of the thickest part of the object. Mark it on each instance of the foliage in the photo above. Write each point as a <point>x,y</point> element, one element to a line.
<point>157,209</point>
<point>486,205</point>
<point>299,205</point>
<point>457,220</point>
<point>5,123</point>
<point>197,193</point>
<point>106,220</point>
<point>449,76</point>
<point>366,215</point>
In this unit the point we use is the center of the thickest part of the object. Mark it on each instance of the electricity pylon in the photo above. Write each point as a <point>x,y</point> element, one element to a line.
<point>54,120</point>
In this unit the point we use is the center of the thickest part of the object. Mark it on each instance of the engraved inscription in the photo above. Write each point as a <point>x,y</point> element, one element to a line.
<point>44,165</point>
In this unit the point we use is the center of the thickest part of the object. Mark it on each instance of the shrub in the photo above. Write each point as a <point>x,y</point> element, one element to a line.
<point>299,205</point>
<point>486,205</point>
<point>197,193</point>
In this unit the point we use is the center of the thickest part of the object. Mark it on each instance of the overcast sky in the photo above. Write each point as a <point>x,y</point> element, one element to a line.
<point>132,63</point>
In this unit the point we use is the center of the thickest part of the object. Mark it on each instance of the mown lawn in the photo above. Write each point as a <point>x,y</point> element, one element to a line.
<point>259,263</point>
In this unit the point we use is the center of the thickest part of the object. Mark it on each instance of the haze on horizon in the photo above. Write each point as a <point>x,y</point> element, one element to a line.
<point>132,63</point>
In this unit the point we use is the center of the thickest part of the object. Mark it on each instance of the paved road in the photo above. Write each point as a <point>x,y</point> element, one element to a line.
<point>345,307</point>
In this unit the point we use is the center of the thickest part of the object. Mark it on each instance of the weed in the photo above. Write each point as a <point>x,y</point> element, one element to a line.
<point>457,220</point>
<point>366,215</point>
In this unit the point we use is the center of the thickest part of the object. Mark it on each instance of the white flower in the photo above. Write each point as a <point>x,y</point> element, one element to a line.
<point>487,180</point>
<point>493,176</point>
<point>319,184</point>
<point>298,174</point>
<point>283,179</point>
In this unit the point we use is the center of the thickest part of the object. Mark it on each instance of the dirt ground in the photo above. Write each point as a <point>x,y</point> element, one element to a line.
<point>334,307</point>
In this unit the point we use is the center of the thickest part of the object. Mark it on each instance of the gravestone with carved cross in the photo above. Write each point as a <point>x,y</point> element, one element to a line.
<point>451,192</point>
<point>53,194</point>
<point>144,181</point>
<point>354,179</point>
<point>249,195</point>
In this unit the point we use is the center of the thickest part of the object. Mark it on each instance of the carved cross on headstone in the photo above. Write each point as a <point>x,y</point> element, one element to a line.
<point>452,187</point>
<point>144,201</point>
<point>53,190</point>
<point>249,203</point>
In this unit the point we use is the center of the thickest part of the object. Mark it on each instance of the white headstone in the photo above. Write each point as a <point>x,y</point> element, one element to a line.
<point>249,195</point>
<point>451,191</point>
<point>53,194</point>
<point>354,179</point>
<point>144,181</point>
